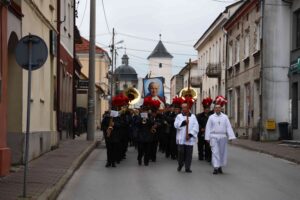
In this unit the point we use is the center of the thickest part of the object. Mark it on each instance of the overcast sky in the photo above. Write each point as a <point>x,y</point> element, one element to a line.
<point>139,23</point>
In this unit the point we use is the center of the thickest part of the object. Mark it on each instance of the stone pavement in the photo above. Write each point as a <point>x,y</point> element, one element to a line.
<point>49,173</point>
<point>277,149</point>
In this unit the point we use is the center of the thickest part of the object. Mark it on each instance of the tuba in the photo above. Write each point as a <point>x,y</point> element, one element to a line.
<point>133,95</point>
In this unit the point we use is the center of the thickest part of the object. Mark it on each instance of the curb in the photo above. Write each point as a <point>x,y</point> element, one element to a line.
<point>267,152</point>
<point>53,192</point>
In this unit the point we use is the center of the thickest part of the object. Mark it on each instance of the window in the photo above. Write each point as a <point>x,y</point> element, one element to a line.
<point>297,15</point>
<point>230,54</point>
<point>160,65</point>
<point>237,50</point>
<point>230,103</point>
<point>257,36</point>
<point>295,105</point>
<point>247,100</point>
<point>237,106</point>
<point>247,41</point>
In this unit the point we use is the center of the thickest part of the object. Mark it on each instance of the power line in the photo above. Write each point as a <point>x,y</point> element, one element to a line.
<point>223,1</point>
<point>105,17</point>
<point>83,13</point>
<point>182,54</point>
<point>153,40</point>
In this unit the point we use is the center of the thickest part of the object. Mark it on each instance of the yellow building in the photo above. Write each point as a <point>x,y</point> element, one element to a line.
<point>102,63</point>
<point>37,18</point>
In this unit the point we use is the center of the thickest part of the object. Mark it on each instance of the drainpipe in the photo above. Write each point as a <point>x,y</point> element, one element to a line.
<point>226,63</point>
<point>261,129</point>
<point>74,74</point>
<point>58,70</point>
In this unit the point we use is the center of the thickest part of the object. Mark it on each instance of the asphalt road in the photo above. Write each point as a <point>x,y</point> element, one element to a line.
<point>248,176</point>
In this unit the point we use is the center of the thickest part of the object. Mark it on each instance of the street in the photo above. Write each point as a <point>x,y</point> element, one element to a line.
<point>248,176</point>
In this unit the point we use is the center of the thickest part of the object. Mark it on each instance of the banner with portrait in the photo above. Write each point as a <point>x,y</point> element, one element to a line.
<point>153,87</point>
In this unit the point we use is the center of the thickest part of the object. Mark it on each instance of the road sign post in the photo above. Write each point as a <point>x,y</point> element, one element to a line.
<point>31,54</point>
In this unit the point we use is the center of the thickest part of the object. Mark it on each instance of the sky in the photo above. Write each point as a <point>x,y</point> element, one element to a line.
<point>138,23</point>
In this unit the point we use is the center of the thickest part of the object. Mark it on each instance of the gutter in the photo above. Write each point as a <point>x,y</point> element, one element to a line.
<point>226,64</point>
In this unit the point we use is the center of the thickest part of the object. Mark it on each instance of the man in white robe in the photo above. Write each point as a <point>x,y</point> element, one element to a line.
<point>218,130</point>
<point>185,142</point>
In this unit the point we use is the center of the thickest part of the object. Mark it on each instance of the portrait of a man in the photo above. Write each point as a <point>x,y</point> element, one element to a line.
<point>154,87</point>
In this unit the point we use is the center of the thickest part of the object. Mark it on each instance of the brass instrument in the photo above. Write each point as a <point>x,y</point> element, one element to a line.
<point>110,126</point>
<point>144,121</point>
<point>133,95</point>
<point>153,128</point>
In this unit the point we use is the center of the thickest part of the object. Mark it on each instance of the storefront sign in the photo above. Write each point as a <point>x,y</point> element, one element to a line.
<point>295,67</point>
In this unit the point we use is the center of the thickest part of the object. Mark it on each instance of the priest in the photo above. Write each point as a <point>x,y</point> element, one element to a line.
<point>187,131</point>
<point>218,130</point>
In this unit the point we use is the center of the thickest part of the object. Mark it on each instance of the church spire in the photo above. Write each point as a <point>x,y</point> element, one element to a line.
<point>160,51</point>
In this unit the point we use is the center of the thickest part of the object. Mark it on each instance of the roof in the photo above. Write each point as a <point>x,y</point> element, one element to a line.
<point>84,47</point>
<point>216,20</point>
<point>241,11</point>
<point>125,71</point>
<point>160,51</point>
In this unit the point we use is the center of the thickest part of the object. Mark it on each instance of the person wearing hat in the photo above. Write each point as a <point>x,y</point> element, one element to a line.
<point>218,130</point>
<point>204,150</point>
<point>187,130</point>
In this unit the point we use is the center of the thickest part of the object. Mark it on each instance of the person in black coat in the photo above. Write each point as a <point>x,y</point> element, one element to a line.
<point>144,137</point>
<point>204,150</point>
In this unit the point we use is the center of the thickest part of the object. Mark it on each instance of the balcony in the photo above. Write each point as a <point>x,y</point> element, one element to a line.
<point>196,81</point>
<point>214,70</point>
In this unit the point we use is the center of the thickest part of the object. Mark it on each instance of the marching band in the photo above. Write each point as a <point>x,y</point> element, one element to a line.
<point>171,131</point>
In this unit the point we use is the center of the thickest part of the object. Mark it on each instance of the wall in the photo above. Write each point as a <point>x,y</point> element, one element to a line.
<point>275,65</point>
<point>43,135</point>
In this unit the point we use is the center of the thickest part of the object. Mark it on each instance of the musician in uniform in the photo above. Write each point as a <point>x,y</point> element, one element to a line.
<point>146,131</point>
<point>187,132</point>
<point>114,126</point>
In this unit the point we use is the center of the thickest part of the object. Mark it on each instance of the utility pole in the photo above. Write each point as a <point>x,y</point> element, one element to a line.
<point>91,90</point>
<point>112,67</point>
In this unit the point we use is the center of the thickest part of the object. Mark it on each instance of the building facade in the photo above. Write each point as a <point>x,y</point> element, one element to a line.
<point>5,151</point>
<point>294,71</point>
<point>211,48</point>
<point>102,63</point>
<point>65,67</point>
<point>43,132</point>
<point>257,81</point>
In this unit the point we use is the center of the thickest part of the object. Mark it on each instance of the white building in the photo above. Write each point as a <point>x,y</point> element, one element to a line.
<point>160,65</point>
<point>211,49</point>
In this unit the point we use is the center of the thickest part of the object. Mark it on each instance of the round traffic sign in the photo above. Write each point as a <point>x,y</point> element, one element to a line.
<point>34,47</point>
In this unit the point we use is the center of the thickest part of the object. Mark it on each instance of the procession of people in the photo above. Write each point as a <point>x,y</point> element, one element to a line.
<point>172,131</point>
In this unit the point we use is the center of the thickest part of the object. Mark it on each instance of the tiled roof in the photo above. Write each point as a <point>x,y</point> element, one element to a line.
<point>84,47</point>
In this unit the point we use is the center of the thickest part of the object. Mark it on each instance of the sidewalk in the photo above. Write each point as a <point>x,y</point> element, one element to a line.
<point>48,174</point>
<point>277,149</point>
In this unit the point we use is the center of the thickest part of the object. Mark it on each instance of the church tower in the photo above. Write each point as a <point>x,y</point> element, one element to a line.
<point>160,65</point>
